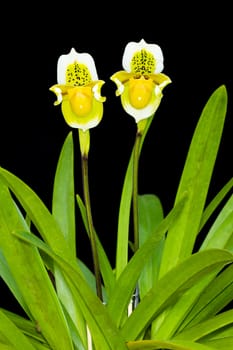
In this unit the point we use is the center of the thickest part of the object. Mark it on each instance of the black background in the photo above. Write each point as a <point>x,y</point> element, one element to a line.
<point>197,48</point>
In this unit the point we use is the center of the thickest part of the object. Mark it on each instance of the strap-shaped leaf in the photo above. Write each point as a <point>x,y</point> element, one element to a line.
<point>51,232</point>
<point>215,202</point>
<point>217,295</point>
<point>63,210</point>
<point>31,276</point>
<point>171,286</point>
<point>221,344</point>
<point>150,215</point>
<point>39,214</point>
<point>166,344</point>
<point>63,202</point>
<point>26,326</point>
<point>221,232</point>
<point>195,179</point>
<point>8,278</point>
<point>174,318</point>
<point>103,330</point>
<point>124,211</point>
<point>10,335</point>
<point>105,266</point>
<point>119,299</point>
<point>207,327</point>
<point>210,294</point>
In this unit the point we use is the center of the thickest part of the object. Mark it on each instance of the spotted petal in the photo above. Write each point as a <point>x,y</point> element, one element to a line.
<point>148,55</point>
<point>81,60</point>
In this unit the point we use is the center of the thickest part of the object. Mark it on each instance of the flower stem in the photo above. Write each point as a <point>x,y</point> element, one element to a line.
<point>84,160</point>
<point>142,128</point>
<point>137,146</point>
<point>135,190</point>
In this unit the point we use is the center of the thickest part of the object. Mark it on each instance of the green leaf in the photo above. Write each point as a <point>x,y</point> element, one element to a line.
<point>119,299</point>
<point>217,295</point>
<point>39,214</point>
<point>8,278</point>
<point>31,276</point>
<point>223,344</point>
<point>220,234</point>
<point>166,344</point>
<point>195,179</point>
<point>103,330</point>
<point>209,295</point>
<point>214,293</point>
<point>105,267</point>
<point>63,210</point>
<point>51,232</point>
<point>124,211</point>
<point>12,336</point>
<point>224,332</point>
<point>206,327</point>
<point>63,194</point>
<point>173,319</point>
<point>150,215</point>
<point>77,340</point>
<point>27,327</point>
<point>215,202</point>
<point>222,338</point>
<point>171,286</point>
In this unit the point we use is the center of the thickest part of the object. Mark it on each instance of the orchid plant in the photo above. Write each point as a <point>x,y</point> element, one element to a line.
<point>167,294</point>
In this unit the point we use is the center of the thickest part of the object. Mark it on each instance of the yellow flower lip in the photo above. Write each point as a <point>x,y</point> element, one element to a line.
<point>141,82</point>
<point>140,91</point>
<point>80,100</point>
<point>79,90</point>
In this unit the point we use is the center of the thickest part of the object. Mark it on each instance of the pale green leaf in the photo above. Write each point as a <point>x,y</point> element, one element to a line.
<point>119,299</point>
<point>175,316</point>
<point>166,344</point>
<point>204,328</point>
<point>38,213</point>
<point>195,179</point>
<point>171,286</point>
<point>209,295</point>
<point>63,209</point>
<point>220,344</point>
<point>51,232</point>
<point>63,201</point>
<point>150,215</point>
<point>26,326</point>
<point>8,278</point>
<point>217,295</point>
<point>221,232</point>
<point>12,335</point>
<point>215,202</point>
<point>31,276</point>
<point>124,211</point>
<point>220,333</point>
<point>103,330</point>
<point>105,266</point>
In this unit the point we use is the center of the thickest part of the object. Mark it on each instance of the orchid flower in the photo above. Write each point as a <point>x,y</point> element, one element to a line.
<point>79,90</point>
<point>141,82</point>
